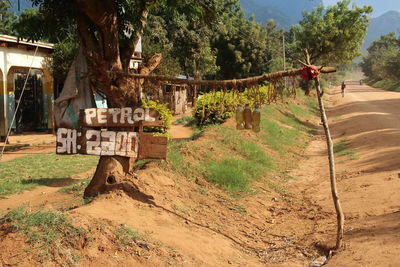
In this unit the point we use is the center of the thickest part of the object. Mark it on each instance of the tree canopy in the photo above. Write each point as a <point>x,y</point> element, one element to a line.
<point>203,39</point>
<point>383,59</point>
<point>332,35</point>
<point>7,18</point>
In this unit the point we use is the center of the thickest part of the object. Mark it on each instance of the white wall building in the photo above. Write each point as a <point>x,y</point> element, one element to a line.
<point>35,113</point>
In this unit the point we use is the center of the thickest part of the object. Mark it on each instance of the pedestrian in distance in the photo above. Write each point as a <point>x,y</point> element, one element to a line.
<point>343,87</point>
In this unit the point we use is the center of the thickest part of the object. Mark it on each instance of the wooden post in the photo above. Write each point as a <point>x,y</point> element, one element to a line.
<point>335,196</point>
<point>194,96</point>
<point>331,157</point>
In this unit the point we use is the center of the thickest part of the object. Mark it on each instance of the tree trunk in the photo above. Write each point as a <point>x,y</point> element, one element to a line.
<point>110,172</point>
<point>109,53</point>
<point>335,196</point>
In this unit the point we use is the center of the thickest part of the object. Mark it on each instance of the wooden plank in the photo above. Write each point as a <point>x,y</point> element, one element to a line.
<point>111,143</point>
<point>119,117</point>
<point>95,142</point>
<point>152,147</point>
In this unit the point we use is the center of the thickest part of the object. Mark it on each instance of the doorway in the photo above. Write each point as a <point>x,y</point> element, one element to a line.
<point>30,114</point>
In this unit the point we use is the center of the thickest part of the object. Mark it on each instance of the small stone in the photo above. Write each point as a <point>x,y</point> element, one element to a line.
<point>229,262</point>
<point>319,262</point>
<point>275,199</point>
<point>201,182</point>
<point>144,245</point>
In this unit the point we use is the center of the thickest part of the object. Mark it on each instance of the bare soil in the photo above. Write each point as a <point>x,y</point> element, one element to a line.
<point>32,143</point>
<point>189,222</point>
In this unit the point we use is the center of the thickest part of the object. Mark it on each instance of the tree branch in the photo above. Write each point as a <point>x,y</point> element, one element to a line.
<point>127,50</point>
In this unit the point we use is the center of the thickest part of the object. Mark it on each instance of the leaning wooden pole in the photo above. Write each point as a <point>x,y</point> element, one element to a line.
<point>331,157</point>
<point>329,143</point>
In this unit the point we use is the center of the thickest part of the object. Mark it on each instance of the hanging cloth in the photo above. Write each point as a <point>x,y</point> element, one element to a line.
<point>75,95</point>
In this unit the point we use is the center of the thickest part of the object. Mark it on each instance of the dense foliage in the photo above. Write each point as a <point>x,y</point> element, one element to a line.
<point>7,18</point>
<point>225,45</point>
<point>383,61</point>
<point>207,39</point>
<point>332,35</point>
<point>216,107</point>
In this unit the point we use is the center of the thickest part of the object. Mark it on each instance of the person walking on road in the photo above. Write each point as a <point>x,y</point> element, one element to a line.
<point>343,87</point>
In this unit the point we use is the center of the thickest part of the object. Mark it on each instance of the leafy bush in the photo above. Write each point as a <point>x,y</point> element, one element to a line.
<point>215,108</point>
<point>165,115</point>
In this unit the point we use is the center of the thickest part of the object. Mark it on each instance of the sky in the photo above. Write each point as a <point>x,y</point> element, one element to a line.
<point>380,6</point>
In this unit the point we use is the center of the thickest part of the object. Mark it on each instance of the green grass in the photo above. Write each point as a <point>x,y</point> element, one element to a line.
<point>187,121</point>
<point>36,170</point>
<point>390,85</point>
<point>75,188</point>
<point>242,159</point>
<point>176,159</point>
<point>232,174</point>
<point>48,232</point>
<point>127,236</point>
<point>279,137</point>
<point>342,149</point>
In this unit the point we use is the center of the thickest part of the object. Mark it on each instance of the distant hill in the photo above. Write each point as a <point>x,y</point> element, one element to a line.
<point>384,24</point>
<point>284,12</point>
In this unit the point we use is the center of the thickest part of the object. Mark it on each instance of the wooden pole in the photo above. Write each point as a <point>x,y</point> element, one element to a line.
<point>232,83</point>
<point>331,157</point>
<point>329,143</point>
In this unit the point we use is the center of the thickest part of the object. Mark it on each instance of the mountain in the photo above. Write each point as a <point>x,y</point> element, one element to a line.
<point>384,24</point>
<point>284,12</point>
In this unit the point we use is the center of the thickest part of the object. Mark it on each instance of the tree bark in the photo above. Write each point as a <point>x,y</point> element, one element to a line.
<point>108,55</point>
<point>329,143</point>
<point>110,172</point>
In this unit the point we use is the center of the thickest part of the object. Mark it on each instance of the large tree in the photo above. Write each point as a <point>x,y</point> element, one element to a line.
<point>108,33</point>
<point>382,61</point>
<point>332,35</point>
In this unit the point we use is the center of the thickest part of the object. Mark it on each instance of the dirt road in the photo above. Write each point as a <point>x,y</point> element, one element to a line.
<point>368,120</point>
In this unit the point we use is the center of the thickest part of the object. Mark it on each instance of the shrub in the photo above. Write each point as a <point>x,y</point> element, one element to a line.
<point>165,115</point>
<point>215,108</point>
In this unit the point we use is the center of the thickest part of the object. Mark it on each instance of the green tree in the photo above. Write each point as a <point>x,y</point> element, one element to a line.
<point>185,38</point>
<point>35,24</point>
<point>109,33</point>
<point>382,59</point>
<point>244,47</point>
<point>332,35</point>
<point>7,19</point>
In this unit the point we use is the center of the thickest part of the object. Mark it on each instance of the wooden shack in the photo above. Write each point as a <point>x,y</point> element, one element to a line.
<point>176,96</point>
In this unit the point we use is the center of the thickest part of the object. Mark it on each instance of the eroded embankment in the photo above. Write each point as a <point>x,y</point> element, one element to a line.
<point>221,199</point>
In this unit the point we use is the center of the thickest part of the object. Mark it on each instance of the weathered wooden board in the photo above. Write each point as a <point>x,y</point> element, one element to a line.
<point>152,147</point>
<point>119,117</point>
<point>111,143</point>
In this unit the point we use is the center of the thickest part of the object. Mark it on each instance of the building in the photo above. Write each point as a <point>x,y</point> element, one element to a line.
<point>35,111</point>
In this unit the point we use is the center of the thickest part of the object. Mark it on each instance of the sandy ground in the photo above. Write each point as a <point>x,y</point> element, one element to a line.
<point>37,143</point>
<point>368,185</point>
<point>213,234</point>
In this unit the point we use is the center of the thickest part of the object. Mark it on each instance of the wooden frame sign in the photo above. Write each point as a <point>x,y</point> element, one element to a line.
<point>105,142</point>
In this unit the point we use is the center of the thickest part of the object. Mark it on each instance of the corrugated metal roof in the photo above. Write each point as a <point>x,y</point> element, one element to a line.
<point>13,39</point>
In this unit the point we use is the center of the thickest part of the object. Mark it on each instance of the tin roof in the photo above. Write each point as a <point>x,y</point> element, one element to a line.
<point>13,39</point>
